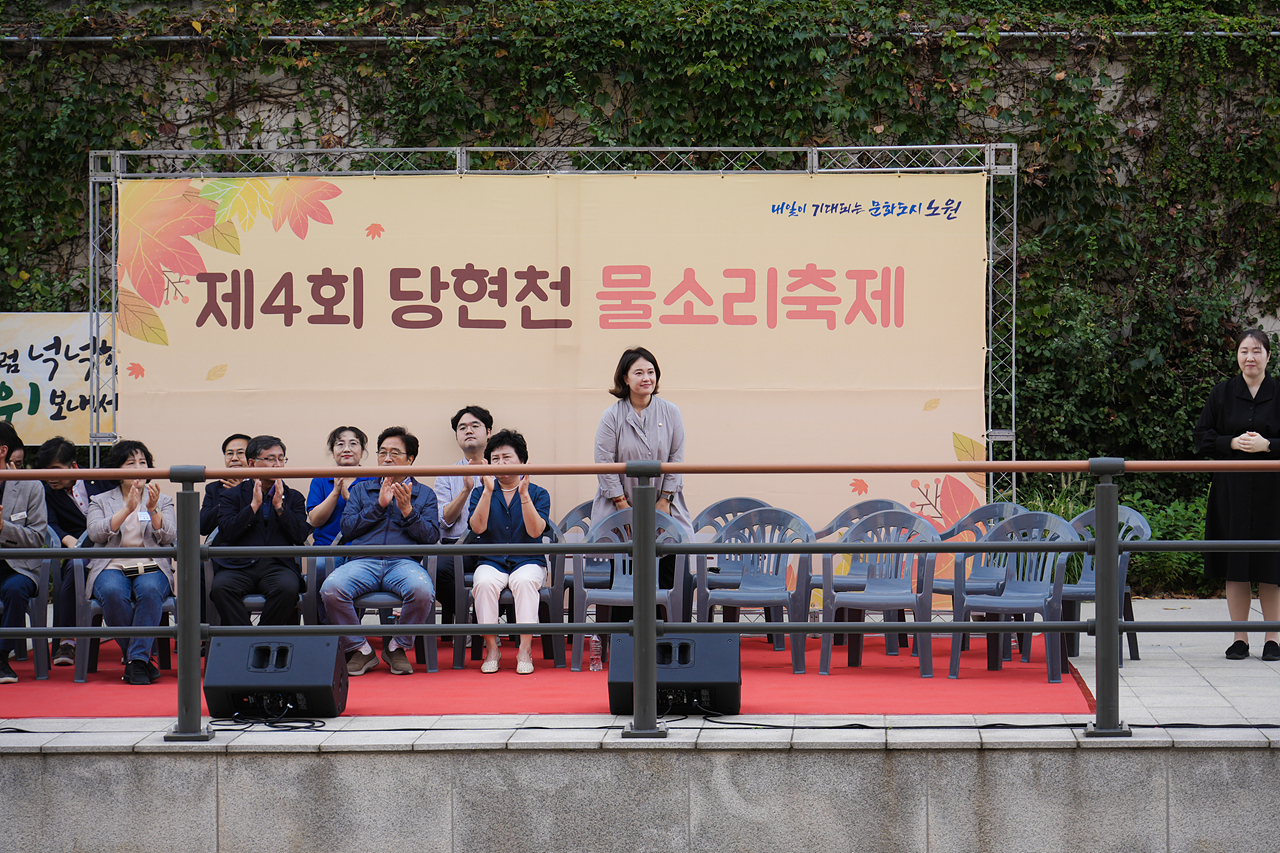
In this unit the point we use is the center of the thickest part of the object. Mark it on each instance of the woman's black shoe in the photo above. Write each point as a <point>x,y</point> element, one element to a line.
<point>135,672</point>
<point>1239,650</point>
<point>1271,651</point>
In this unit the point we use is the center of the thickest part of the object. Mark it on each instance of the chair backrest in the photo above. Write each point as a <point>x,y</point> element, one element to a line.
<point>982,519</point>
<point>1032,569</point>
<point>616,527</point>
<point>768,525</point>
<point>1134,527</point>
<point>893,526</point>
<point>720,513</point>
<point>850,516</point>
<point>576,524</point>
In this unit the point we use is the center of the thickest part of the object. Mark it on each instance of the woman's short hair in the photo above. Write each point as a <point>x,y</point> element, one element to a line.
<point>337,433</point>
<point>507,438</point>
<point>1258,335</point>
<point>122,451</point>
<point>630,357</point>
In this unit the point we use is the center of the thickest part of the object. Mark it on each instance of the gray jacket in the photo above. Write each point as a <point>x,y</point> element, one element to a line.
<point>26,521</point>
<point>98,525</point>
<point>621,438</point>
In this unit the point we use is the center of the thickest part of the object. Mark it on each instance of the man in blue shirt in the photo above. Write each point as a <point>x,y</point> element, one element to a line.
<point>508,510</point>
<point>392,510</point>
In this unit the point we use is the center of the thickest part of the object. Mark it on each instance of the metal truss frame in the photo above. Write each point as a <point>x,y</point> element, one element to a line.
<point>998,161</point>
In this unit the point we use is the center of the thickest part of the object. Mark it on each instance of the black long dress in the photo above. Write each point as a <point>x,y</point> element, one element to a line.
<point>1244,505</point>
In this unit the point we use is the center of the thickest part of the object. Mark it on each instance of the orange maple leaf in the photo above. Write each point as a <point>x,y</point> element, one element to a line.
<point>299,200</point>
<point>955,500</point>
<point>374,231</point>
<point>136,371</point>
<point>155,217</point>
<point>859,487</point>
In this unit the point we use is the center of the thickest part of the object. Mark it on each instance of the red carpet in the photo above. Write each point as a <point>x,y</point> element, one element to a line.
<point>883,685</point>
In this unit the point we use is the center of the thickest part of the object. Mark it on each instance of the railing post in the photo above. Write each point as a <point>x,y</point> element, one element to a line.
<point>1106,564</point>
<point>644,719</point>
<point>189,628</point>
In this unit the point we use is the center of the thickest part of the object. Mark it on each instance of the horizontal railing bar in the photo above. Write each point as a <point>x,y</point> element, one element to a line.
<point>1088,626</point>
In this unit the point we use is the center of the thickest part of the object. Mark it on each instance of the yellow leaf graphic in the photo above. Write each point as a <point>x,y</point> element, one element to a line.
<point>933,404</point>
<point>137,319</point>
<point>223,237</point>
<point>243,199</point>
<point>216,372</point>
<point>968,450</point>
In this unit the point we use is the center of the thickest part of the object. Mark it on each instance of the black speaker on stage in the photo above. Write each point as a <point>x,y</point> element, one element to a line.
<point>275,677</point>
<point>696,674</point>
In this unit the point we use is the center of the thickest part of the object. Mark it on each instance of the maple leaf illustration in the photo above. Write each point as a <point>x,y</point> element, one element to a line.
<point>243,199</point>
<point>299,200</point>
<point>374,231</point>
<point>859,487</point>
<point>155,218</point>
<point>136,370</point>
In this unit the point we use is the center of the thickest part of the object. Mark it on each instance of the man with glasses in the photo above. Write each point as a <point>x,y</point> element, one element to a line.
<point>233,456</point>
<point>260,512</point>
<point>471,428</point>
<point>391,510</point>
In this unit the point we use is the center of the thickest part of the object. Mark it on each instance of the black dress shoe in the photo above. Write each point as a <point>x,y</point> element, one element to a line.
<point>1239,650</point>
<point>1271,651</point>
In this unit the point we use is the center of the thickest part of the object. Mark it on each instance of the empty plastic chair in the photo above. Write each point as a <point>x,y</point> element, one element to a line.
<point>1134,527</point>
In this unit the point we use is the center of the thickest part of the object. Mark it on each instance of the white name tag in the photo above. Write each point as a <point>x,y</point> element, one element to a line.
<point>144,516</point>
<point>18,516</point>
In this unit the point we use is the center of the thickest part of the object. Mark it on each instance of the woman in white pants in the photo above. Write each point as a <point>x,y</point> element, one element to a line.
<point>508,510</point>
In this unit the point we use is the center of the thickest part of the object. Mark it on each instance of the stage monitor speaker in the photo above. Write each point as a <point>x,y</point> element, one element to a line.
<point>275,677</point>
<point>697,674</point>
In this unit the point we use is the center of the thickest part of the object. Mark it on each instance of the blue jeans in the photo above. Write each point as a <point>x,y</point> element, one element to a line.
<point>16,592</point>
<point>354,578</point>
<point>131,602</point>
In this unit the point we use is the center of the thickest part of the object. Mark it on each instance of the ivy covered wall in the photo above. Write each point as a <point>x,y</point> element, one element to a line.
<point>1149,146</point>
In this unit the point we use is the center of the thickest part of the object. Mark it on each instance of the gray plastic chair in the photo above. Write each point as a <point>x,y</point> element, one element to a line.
<point>1033,584</point>
<point>727,571</point>
<point>89,615</point>
<point>764,576</point>
<point>38,610</point>
<point>550,605</point>
<point>621,592</point>
<point>981,577</point>
<point>1134,527</point>
<point>894,582</point>
<point>851,515</point>
<point>576,523</point>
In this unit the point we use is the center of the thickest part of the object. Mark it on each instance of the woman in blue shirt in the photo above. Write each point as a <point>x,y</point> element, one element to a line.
<point>509,510</point>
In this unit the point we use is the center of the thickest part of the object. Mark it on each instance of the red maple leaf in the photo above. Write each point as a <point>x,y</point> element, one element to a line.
<point>859,487</point>
<point>299,200</point>
<point>374,231</point>
<point>136,371</point>
<point>155,217</point>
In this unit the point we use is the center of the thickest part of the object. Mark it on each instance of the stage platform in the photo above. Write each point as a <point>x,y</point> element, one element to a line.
<point>776,782</point>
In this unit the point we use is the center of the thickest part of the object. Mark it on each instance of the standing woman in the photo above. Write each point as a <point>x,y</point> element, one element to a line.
<point>1240,421</point>
<point>641,425</point>
<point>132,589</point>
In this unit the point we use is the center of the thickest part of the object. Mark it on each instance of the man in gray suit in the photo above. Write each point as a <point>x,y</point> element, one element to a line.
<point>23,522</point>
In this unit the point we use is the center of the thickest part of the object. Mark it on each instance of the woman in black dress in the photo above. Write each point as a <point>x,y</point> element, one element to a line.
<point>1239,421</point>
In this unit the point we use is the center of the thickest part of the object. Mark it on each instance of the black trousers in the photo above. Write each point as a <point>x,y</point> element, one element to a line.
<point>271,577</point>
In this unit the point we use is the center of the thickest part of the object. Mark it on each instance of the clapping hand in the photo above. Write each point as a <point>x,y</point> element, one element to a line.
<point>277,496</point>
<point>404,497</point>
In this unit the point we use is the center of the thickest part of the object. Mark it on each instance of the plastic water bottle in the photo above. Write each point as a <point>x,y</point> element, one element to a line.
<point>595,665</point>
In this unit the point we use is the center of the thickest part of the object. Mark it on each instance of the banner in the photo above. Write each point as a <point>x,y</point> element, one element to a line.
<point>44,376</point>
<point>796,318</point>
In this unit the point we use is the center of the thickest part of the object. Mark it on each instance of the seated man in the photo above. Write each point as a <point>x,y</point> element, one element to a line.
<point>233,456</point>
<point>23,523</point>
<point>66,501</point>
<point>260,512</point>
<point>471,427</point>
<point>393,510</point>
<point>507,510</point>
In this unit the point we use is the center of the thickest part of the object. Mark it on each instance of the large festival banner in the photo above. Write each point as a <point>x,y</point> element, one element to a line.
<point>44,376</point>
<point>796,318</point>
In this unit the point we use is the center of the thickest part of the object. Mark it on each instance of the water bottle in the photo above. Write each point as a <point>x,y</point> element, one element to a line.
<point>595,665</point>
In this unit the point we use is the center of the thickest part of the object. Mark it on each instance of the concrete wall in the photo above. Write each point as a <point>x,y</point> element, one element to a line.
<point>703,789</point>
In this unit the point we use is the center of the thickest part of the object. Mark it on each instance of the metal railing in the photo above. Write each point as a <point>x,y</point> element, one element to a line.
<point>1106,626</point>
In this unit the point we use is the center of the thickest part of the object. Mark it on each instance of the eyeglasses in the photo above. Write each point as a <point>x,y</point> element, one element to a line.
<point>474,426</point>
<point>390,453</point>
<point>272,460</point>
<point>233,454</point>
